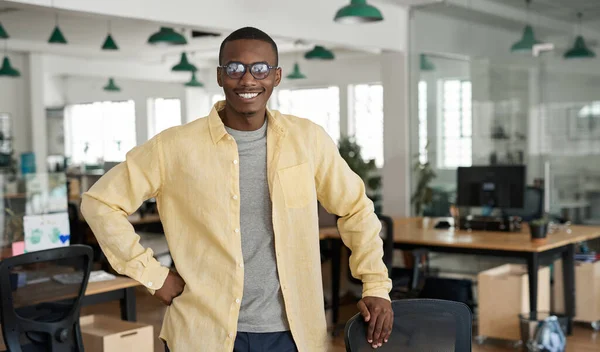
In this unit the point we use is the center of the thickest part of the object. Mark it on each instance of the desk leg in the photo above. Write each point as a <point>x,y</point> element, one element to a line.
<point>532,268</point>
<point>336,254</point>
<point>568,260</point>
<point>128,309</point>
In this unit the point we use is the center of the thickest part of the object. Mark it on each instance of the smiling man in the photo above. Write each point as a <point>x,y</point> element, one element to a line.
<point>237,193</point>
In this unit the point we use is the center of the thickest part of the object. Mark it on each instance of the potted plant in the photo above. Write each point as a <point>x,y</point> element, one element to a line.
<point>539,228</point>
<point>424,174</point>
<point>366,170</point>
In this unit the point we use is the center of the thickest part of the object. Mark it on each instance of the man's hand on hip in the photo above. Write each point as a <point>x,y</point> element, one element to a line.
<point>172,288</point>
<point>380,316</point>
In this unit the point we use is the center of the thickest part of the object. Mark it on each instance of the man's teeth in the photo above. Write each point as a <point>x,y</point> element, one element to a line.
<point>247,95</point>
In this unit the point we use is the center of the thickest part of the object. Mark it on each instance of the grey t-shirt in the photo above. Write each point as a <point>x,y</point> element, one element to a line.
<point>262,308</point>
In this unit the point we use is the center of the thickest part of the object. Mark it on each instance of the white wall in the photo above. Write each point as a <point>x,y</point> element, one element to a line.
<point>15,100</point>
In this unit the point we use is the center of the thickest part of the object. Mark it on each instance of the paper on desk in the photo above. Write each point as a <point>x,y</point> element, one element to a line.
<point>75,278</point>
<point>46,231</point>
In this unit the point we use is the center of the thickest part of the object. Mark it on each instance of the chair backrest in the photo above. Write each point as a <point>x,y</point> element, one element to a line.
<point>387,227</point>
<point>40,296</point>
<point>419,325</point>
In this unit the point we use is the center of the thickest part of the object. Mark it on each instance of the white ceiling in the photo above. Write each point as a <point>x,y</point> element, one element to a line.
<point>553,20</point>
<point>565,10</point>
<point>29,29</point>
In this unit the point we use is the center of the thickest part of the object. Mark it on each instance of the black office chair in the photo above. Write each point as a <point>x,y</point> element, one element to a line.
<point>401,277</point>
<point>40,295</point>
<point>419,325</point>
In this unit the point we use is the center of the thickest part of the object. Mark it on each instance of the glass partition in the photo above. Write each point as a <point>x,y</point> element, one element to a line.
<point>34,213</point>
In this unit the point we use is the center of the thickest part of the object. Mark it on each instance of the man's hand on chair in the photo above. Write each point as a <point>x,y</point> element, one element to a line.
<point>380,316</point>
<point>172,288</point>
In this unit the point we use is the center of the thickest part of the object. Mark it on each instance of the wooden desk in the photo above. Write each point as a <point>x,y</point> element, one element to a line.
<point>136,219</point>
<point>413,233</point>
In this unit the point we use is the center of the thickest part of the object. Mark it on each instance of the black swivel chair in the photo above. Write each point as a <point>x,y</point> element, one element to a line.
<point>40,296</point>
<point>419,325</point>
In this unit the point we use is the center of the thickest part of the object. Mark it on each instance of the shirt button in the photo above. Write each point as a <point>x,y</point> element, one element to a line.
<point>237,230</point>
<point>230,335</point>
<point>150,284</point>
<point>283,287</point>
<point>241,265</point>
<point>229,137</point>
<point>235,161</point>
<point>238,300</point>
<point>234,197</point>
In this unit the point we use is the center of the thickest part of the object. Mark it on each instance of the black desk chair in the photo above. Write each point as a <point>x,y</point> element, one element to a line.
<point>419,325</point>
<point>40,296</point>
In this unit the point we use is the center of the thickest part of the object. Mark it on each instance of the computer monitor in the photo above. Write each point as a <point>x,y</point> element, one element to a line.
<point>491,186</point>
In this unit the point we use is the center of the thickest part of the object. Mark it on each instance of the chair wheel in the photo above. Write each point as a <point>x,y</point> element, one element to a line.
<point>517,344</point>
<point>480,339</point>
<point>596,325</point>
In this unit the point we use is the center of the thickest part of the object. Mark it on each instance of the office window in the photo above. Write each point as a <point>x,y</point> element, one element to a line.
<point>367,121</point>
<point>422,122</point>
<point>163,113</point>
<point>456,132</point>
<point>100,131</point>
<point>320,105</point>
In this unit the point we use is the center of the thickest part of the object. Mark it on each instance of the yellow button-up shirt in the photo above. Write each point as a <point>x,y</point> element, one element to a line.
<point>192,172</point>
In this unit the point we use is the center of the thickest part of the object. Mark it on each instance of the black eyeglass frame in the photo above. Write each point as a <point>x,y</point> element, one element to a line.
<point>248,66</point>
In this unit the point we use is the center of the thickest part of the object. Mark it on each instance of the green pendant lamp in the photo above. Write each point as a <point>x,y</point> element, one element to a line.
<point>358,12</point>
<point>57,37</point>
<point>184,65</point>
<point>167,35</point>
<point>296,74</point>
<point>111,86</point>
<point>194,82</point>
<point>7,70</point>
<point>319,53</point>
<point>3,33</point>
<point>425,64</point>
<point>528,39</point>
<point>579,50</point>
<point>109,42</point>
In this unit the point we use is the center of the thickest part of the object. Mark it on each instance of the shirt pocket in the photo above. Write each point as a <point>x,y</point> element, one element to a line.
<point>297,184</point>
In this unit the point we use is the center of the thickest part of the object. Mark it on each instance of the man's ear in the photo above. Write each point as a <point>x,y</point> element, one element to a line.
<point>277,77</point>
<point>219,79</point>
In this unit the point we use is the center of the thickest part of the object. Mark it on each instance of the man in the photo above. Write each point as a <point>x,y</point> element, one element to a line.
<point>237,193</point>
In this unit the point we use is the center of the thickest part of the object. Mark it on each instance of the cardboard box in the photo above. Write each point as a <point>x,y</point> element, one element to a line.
<point>107,334</point>
<point>587,291</point>
<point>503,294</point>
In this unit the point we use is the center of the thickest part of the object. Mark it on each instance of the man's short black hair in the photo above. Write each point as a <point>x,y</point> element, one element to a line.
<point>249,33</point>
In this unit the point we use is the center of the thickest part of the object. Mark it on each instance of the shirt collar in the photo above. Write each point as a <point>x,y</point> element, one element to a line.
<point>217,128</point>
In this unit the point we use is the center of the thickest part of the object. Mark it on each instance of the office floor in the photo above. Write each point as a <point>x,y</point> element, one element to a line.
<point>151,311</point>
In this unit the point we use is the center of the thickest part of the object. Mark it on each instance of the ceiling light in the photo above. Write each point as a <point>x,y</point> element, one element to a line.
<point>319,53</point>
<point>111,86</point>
<point>3,33</point>
<point>7,70</point>
<point>167,35</point>
<point>358,12</point>
<point>579,50</point>
<point>194,82</point>
<point>109,42</point>
<point>184,65</point>
<point>296,74</point>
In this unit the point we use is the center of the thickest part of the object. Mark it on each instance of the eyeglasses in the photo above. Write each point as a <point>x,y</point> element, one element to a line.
<point>258,70</point>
